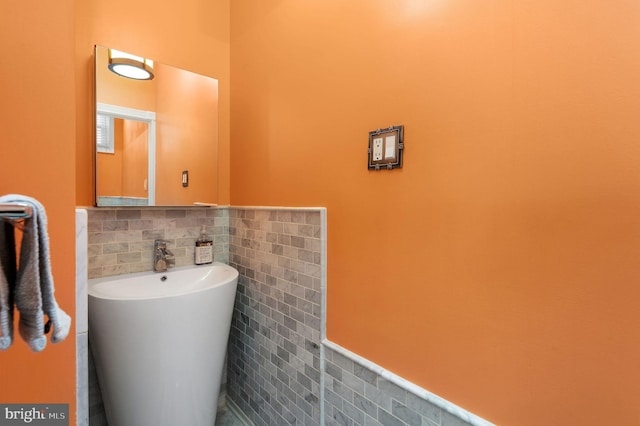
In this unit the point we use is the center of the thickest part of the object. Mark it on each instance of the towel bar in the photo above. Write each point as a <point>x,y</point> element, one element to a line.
<point>13,211</point>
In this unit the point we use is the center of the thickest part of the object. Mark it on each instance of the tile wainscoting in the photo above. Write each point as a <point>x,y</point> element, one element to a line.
<point>274,349</point>
<point>281,369</point>
<point>358,392</point>
<point>121,240</point>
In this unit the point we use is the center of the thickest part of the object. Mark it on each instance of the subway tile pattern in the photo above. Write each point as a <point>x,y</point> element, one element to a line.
<point>274,346</point>
<point>358,396</point>
<point>121,240</point>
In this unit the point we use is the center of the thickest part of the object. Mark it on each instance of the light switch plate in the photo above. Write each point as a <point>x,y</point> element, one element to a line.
<point>386,147</point>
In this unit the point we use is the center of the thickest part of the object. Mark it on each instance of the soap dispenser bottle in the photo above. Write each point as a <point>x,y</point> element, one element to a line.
<point>204,248</point>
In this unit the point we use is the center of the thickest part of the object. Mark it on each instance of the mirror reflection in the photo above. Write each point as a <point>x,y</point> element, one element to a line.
<point>156,139</point>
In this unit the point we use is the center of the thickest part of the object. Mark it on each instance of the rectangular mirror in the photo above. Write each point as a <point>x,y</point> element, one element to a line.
<point>156,136</point>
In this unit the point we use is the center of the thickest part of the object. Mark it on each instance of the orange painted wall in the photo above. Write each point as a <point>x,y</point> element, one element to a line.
<point>135,160</point>
<point>499,267</point>
<point>123,173</point>
<point>37,83</point>
<point>187,122</point>
<point>187,34</point>
<point>109,165</point>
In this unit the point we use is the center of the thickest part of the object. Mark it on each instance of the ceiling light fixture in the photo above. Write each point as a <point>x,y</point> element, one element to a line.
<point>130,66</point>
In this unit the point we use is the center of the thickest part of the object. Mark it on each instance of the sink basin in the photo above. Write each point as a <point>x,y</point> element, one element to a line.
<point>159,342</point>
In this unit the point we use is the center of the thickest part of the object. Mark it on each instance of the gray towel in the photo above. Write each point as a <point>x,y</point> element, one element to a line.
<point>33,289</point>
<point>7,280</point>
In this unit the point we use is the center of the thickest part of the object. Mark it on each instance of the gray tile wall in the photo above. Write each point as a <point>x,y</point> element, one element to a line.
<point>274,347</point>
<point>121,240</point>
<point>357,396</point>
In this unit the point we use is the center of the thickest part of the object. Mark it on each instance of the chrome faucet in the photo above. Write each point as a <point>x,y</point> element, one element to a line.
<point>162,256</point>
